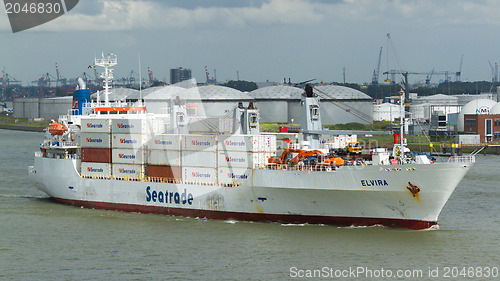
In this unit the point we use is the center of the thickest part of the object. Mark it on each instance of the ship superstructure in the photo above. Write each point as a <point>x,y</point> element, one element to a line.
<point>118,157</point>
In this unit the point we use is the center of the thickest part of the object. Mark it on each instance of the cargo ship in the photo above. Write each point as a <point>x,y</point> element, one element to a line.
<point>116,156</point>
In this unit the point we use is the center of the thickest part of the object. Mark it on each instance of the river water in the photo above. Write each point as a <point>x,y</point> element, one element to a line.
<point>44,240</point>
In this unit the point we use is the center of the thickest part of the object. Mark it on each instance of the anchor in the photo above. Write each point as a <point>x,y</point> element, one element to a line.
<point>413,189</point>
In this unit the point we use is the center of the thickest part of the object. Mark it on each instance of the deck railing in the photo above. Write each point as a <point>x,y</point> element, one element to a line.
<point>462,159</point>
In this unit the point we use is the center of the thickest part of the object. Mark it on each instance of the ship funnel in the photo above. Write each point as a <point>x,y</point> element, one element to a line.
<point>81,97</point>
<point>81,84</point>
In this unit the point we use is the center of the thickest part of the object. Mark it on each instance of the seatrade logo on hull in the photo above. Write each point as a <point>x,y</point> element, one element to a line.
<point>169,197</point>
<point>26,14</point>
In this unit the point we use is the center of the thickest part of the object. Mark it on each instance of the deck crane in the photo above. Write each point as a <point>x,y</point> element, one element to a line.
<point>299,84</point>
<point>376,71</point>
<point>97,78</point>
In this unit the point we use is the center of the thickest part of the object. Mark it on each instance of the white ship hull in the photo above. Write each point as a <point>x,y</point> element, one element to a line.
<point>355,195</point>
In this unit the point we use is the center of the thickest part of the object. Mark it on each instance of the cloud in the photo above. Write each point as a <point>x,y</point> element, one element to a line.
<point>129,15</point>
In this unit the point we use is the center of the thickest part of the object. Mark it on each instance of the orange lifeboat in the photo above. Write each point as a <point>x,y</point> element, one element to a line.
<point>56,128</point>
<point>335,160</point>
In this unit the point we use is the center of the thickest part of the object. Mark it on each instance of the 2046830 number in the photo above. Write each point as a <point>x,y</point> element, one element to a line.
<point>470,272</point>
<point>33,8</point>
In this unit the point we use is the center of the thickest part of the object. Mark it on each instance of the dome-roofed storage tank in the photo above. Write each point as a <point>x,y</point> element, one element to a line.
<point>479,106</point>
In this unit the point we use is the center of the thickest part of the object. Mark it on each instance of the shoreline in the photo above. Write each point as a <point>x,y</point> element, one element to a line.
<point>21,128</point>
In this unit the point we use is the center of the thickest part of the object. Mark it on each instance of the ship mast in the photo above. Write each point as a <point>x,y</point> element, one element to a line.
<point>107,62</point>
<point>401,129</point>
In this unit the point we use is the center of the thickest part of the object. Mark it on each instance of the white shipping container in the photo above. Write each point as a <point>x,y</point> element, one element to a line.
<point>158,125</point>
<point>239,143</point>
<point>163,157</point>
<point>265,159</point>
<point>131,126</point>
<point>128,140</point>
<point>165,142</point>
<point>90,169</point>
<point>236,159</point>
<point>95,125</point>
<point>269,143</point>
<point>197,174</point>
<point>231,175</point>
<point>127,156</point>
<point>95,140</point>
<point>199,158</point>
<point>128,170</point>
<point>199,142</point>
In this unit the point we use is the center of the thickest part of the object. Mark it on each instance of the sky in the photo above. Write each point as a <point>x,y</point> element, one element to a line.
<point>261,39</point>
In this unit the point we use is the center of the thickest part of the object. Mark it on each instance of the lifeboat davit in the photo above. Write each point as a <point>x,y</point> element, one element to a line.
<point>56,128</point>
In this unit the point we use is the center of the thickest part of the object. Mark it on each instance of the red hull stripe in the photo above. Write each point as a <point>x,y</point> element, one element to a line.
<point>222,215</point>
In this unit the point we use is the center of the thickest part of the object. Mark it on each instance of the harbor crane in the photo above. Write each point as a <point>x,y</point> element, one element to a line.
<point>376,71</point>
<point>8,80</point>
<point>494,72</point>
<point>60,81</point>
<point>459,72</point>
<point>151,76</point>
<point>210,80</point>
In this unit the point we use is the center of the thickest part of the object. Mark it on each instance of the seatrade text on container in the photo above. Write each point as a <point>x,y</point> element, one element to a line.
<point>446,272</point>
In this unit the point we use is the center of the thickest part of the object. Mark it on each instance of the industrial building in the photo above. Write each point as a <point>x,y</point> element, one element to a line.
<point>47,109</point>
<point>481,117</point>
<point>279,103</point>
<point>179,74</point>
<point>386,112</point>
